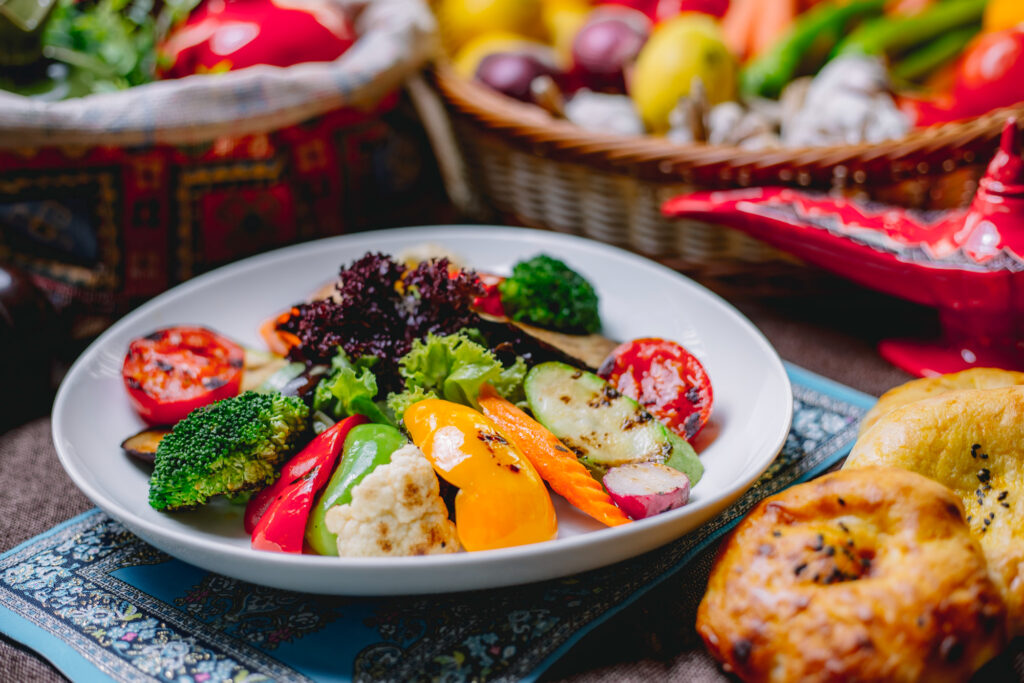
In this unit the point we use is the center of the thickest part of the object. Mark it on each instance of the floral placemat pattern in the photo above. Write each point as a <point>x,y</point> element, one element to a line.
<point>102,604</point>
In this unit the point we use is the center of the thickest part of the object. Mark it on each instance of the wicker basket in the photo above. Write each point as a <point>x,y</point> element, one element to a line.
<point>534,169</point>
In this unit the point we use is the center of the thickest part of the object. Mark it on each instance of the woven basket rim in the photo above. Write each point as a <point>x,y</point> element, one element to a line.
<point>535,126</point>
<point>395,39</point>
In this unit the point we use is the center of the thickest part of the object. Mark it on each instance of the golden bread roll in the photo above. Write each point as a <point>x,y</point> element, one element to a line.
<point>973,442</point>
<point>927,387</point>
<point>866,575</point>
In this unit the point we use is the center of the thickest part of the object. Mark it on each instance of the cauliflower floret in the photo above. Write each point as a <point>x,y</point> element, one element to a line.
<point>396,510</point>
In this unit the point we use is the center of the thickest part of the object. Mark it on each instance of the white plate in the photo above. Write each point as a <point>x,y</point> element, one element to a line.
<point>750,419</point>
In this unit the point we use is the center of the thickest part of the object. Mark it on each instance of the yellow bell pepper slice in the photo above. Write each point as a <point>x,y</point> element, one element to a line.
<point>502,501</point>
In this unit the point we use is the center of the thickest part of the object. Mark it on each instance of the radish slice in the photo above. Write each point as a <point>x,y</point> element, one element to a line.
<point>647,488</point>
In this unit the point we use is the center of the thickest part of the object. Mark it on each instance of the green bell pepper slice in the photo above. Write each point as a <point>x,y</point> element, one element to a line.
<point>366,447</point>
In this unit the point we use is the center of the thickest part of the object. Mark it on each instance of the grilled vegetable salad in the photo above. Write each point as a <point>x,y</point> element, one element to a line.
<point>413,414</point>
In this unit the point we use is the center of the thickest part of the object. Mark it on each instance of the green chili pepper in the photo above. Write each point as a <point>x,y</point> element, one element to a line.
<point>924,60</point>
<point>892,35</point>
<point>366,447</point>
<point>804,48</point>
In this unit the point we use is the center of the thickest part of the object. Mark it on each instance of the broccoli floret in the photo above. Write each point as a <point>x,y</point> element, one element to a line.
<point>546,292</point>
<point>225,448</point>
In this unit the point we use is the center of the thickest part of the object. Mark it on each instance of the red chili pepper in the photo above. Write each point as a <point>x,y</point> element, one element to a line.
<point>171,372</point>
<point>276,516</point>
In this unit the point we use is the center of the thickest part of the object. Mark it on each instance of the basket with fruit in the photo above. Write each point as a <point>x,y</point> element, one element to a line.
<point>585,117</point>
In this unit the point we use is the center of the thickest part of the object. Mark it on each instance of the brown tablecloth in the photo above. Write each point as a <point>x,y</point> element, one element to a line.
<point>832,332</point>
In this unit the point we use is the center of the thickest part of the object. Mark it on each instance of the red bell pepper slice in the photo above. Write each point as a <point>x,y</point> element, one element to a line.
<point>490,301</point>
<point>283,525</point>
<point>330,441</point>
<point>276,516</point>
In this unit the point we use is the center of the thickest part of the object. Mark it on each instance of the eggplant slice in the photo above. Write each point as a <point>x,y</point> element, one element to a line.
<point>142,446</point>
<point>536,345</point>
<point>591,349</point>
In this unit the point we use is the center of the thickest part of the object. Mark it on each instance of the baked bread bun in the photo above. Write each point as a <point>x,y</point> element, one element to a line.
<point>865,575</point>
<point>973,442</point>
<point>927,387</point>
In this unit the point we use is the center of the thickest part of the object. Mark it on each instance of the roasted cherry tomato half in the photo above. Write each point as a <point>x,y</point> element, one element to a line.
<point>666,379</point>
<point>171,372</point>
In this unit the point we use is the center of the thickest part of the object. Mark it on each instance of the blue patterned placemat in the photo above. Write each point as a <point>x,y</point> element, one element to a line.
<point>102,604</point>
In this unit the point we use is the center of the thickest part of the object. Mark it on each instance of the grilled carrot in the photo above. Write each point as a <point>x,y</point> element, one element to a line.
<point>278,342</point>
<point>555,463</point>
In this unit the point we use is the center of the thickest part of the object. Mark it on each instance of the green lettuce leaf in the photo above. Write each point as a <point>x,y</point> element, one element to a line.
<point>349,389</point>
<point>397,403</point>
<point>510,382</point>
<point>454,367</point>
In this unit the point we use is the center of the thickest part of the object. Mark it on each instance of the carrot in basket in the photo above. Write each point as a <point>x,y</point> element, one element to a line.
<point>555,463</point>
<point>738,26</point>
<point>278,341</point>
<point>773,19</point>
